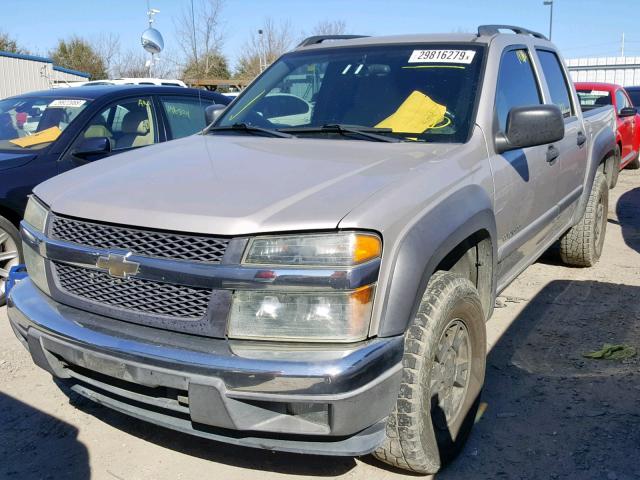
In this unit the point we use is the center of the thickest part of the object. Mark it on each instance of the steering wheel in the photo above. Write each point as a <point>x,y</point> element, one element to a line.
<point>256,119</point>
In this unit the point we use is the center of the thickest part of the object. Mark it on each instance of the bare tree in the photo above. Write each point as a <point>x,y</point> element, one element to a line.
<point>107,46</point>
<point>200,32</point>
<point>330,27</point>
<point>264,46</point>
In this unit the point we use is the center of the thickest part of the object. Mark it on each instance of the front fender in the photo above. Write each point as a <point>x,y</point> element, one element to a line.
<point>423,247</point>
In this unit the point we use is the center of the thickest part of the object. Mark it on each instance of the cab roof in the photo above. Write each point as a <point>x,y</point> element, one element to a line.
<point>92,92</point>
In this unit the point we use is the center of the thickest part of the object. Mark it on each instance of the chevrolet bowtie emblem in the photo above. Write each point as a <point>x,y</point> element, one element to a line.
<point>118,265</point>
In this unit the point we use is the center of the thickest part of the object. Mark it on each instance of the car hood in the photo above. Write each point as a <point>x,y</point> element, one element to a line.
<point>234,185</point>
<point>11,160</point>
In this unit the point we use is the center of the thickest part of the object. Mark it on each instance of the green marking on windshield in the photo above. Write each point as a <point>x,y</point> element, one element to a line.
<point>435,66</point>
<point>248,104</point>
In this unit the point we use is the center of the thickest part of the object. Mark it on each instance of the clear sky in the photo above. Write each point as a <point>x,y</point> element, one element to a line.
<point>581,27</point>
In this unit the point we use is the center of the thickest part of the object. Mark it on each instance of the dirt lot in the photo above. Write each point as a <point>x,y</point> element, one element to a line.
<point>550,412</point>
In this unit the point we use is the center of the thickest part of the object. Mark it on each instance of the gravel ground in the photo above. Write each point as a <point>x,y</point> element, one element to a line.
<point>550,413</point>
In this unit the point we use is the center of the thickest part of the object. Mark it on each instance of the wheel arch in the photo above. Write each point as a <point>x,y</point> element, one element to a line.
<point>442,238</point>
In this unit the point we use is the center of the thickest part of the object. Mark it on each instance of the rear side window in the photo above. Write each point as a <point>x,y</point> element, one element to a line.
<point>517,85</point>
<point>185,115</point>
<point>556,81</point>
<point>635,96</point>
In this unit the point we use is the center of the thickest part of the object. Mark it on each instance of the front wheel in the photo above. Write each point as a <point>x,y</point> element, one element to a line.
<point>9,253</point>
<point>582,245</point>
<point>443,372</point>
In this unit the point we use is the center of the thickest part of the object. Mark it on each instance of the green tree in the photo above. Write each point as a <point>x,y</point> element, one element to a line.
<point>8,44</point>
<point>211,65</point>
<point>78,54</point>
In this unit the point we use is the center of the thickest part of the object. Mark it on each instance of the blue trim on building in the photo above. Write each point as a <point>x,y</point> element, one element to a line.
<point>34,58</point>
<point>71,71</point>
<point>23,56</point>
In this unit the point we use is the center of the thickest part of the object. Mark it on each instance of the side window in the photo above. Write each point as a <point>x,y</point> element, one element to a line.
<point>621,100</point>
<point>556,81</point>
<point>185,115</point>
<point>517,85</point>
<point>128,123</point>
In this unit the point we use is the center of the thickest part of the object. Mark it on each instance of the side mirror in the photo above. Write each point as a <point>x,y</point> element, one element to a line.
<point>530,126</point>
<point>628,112</point>
<point>91,147</point>
<point>212,112</point>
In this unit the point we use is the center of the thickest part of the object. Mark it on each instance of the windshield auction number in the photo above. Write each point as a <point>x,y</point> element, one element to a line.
<point>442,56</point>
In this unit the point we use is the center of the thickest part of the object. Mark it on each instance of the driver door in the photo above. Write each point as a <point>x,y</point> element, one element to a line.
<point>524,179</point>
<point>127,124</point>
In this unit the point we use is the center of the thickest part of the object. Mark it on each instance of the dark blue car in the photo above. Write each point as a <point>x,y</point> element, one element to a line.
<point>46,133</point>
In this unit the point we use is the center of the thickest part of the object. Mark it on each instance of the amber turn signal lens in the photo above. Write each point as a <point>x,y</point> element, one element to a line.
<point>366,248</point>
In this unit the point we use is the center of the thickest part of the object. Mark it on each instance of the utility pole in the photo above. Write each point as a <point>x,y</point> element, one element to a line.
<point>550,4</point>
<point>622,48</point>
<point>263,53</point>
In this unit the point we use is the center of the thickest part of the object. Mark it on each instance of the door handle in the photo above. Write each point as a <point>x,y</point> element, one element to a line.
<point>582,138</point>
<point>552,154</point>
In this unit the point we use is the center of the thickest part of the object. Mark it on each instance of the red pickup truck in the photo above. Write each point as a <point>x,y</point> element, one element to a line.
<point>594,95</point>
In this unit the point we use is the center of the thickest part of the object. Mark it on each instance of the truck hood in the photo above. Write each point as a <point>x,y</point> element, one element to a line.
<point>234,185</point>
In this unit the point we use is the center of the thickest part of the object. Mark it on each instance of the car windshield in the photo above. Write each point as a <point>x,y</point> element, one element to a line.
<point>411,92</point>
<point>593,98</point>
<point>31,123</point>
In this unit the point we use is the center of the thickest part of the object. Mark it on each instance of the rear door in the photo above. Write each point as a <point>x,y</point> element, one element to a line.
<point>183,115</point>
<point>570,166</point>
<point>525,182</point>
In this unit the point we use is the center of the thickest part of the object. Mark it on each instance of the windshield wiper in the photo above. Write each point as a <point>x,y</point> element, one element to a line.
<point>243,127</point>
<point>371,133</point>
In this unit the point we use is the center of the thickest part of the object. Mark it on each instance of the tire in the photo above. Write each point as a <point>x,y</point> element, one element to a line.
<point>613,170</point>
<point>422,434</point>
<point>10,253</point>
<point>635,164</point>
<point>581,246</point>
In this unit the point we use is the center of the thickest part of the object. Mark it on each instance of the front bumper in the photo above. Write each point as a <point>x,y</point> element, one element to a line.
<point>320,399</point>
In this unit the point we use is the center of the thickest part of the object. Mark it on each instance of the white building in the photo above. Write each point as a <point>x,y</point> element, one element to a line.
<point>26,73</point>
<point>624,71</point>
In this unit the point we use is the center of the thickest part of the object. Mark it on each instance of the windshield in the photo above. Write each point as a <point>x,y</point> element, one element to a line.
<point>412,92</point>
<point>593,98</point>
<point>31,123</point>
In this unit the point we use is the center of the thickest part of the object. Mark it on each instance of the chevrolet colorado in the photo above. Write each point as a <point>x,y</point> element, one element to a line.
<point>314,272</point>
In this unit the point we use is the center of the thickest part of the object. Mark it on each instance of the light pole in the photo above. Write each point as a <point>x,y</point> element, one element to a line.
<point>550,3</point>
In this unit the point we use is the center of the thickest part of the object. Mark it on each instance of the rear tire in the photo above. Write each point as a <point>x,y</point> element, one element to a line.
<point>635,164</point>
<point>443,372</point>
<point>582,245</point>
<point>10,253</point>
<point>613,170</point>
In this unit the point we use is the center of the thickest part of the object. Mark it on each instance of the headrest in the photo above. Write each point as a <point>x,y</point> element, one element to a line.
<point>97,131</point>
<point>136,121</point>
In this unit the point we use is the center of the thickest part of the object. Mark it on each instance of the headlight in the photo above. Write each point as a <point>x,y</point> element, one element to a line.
<point>36,214</point>
<point>301,316</point>
<point>320,250</point>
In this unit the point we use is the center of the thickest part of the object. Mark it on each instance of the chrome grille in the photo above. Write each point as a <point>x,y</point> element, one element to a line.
<point>135,295</point>
<point>150,243</point>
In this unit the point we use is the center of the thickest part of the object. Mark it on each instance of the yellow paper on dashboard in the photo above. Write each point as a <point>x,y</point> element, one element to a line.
<point>417,114</point>
<point>45,136</point>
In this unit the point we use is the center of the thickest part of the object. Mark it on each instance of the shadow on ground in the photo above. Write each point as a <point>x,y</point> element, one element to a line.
<point>32,442</point>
